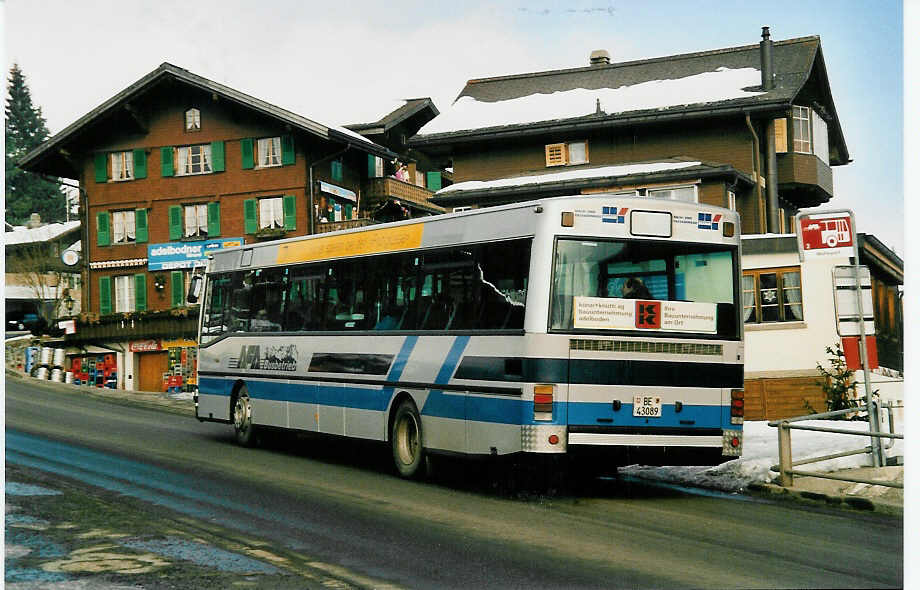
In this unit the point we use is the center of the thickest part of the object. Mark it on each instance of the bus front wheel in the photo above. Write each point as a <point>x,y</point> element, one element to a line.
<point>406,440</point>
<point>242,418</point>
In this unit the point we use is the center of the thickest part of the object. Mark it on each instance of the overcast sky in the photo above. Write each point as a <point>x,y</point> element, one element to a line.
<point>344,62</point>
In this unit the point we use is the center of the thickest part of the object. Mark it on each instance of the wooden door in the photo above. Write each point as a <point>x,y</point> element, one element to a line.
<point>150,369</point>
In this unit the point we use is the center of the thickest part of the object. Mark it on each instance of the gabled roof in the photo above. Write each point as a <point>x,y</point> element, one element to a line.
<point>554,182</point>
<point>703,84</point>
<point>408,109</point>
<point>35,160</point>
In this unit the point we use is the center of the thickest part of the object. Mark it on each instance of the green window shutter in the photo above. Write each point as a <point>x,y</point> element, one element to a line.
<point>289,204</point>
<point>433,180</point>
<point>348,209</point>
<point>213,219</point>
<point>100,162</point>
<point>105,295</point>
<point>287,150</point>
<point>177,287</point>
<point>102,229</point>
<point>371,166</point>
<point>140,226</point>
<point>250,216</point>
<point>246,149</point>
<point>175,222</point>
<point>166,161</point>
<point>337,170</point>
<point>140,292</point>
<point>140,163</point>
<point>217,156</point>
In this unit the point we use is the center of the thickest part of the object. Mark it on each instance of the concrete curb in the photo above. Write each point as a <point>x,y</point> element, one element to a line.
<point>861,503</point>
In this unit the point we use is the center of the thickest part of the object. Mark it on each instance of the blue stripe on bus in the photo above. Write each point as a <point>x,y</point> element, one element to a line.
<point>445,405</point>
<point>401,358</point>
<point>499,410</point>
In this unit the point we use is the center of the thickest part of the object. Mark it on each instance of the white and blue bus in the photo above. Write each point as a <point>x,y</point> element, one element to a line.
<point>601,325</point>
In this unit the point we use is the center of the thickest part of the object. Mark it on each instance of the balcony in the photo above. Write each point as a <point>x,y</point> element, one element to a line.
<point>322,228</point>
<point>378,190</point>
<point>180,322</point>
<point>804,180</point>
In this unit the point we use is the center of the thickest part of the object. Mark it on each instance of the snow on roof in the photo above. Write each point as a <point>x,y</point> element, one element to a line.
<point>23,235</point>
<point>723,84</point>
<point>602,172</point>
<point>351,133</point>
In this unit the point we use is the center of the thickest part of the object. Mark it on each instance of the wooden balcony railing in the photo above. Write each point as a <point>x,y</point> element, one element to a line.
<point>322,228</point>
<point>379,189</point>
<point>175,323</point>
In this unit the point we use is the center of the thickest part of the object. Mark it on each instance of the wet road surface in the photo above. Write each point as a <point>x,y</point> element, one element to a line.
<point>336,505</point>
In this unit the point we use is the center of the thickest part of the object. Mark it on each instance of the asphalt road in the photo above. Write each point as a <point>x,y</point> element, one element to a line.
<point>337,504</point>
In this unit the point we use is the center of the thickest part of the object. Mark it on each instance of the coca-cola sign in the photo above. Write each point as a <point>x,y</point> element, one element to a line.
<point>144,346</point>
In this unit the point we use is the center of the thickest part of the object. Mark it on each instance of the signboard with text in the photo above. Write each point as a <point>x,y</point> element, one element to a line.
<point>609,313</point>
<point>180,255</point>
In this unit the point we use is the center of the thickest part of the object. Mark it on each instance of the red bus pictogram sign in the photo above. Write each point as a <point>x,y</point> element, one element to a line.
<point>648,315</point>
<point>827,233</point>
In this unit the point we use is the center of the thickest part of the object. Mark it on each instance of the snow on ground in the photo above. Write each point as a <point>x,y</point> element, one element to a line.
<point>761,451</point>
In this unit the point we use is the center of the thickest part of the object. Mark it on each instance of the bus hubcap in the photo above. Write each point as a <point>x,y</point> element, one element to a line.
<point>407,440</point>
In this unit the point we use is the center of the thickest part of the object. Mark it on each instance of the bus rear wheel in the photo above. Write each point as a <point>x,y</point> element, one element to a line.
<point>406,440</point>
<point>242,418</point>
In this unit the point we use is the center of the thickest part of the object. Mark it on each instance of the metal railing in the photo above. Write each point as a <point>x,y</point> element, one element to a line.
<point>786,464</point>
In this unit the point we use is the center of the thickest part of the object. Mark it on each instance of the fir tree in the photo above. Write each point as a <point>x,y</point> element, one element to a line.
<point>27,193</point>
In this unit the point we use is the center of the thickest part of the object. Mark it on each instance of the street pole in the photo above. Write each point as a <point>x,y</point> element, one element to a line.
<point>878,453</point>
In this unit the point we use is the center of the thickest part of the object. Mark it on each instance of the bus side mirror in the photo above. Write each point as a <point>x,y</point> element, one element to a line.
<point>194,289</point>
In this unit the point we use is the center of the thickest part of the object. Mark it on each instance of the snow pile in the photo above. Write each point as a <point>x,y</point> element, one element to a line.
<point>723,84</point>
<point>602,172</point>
<point>761,451</point>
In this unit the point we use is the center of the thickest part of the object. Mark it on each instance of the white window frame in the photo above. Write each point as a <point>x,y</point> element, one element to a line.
<point>195,221</point>
<point>193,120</point>
<point>187,159</point>
<point>268,152</point>
<point>124,227</point>
<point>124,293</point>
<point>565,158</point>
<point>651,192</point>
<point>801,130</point>
<point>271,213</point>
<point>122,166</point>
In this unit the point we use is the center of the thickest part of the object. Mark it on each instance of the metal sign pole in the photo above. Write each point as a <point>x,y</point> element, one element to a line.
<point>878,454</point>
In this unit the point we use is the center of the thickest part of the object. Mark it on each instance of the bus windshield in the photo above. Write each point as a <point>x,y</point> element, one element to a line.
<point>594,280</point>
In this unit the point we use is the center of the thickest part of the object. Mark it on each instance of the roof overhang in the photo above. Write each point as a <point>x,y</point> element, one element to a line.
<point>38,160</point>
<point>593,122</point>
<point>537,189</point>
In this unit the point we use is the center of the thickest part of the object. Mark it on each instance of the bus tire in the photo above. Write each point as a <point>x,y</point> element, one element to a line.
<point>406,441</point>
<point>242,418</point>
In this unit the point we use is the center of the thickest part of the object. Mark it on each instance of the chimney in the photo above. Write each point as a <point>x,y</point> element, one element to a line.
<point>766,60</point>
<point>600,57</point>
<point>35,220</point>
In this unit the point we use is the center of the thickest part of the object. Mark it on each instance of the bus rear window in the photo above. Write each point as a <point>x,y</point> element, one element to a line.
<point>688,288</point>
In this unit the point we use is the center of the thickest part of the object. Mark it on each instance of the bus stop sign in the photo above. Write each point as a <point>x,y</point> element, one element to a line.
<point>826,235</point>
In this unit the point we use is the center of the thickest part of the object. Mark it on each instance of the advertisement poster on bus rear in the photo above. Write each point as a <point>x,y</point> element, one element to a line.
<point>608,313</point>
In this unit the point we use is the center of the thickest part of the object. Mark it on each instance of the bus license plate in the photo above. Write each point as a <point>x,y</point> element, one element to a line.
<point>647,406</point>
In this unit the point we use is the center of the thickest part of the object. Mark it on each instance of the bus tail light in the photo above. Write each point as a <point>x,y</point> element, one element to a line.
<point>732,443</point>
<point>543,402</point>
<point>737,412</point>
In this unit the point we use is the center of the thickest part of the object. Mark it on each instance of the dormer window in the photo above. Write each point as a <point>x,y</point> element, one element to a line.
<point>193,120</point>
<point>567,154</point>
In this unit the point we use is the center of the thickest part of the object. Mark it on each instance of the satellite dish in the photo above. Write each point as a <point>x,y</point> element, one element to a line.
<point>70,257</point>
